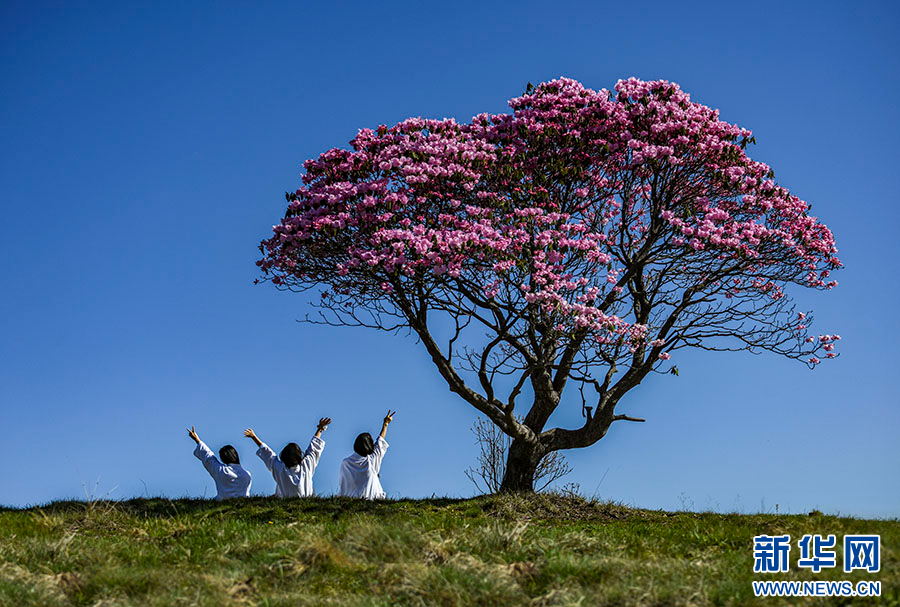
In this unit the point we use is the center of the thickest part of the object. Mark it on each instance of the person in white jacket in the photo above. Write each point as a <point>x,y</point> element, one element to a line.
<point>293,469</point>
<point>360,471</point>
<point>230,477</point>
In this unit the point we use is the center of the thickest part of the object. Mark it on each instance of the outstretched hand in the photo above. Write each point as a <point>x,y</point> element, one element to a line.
<point>193,434</point>
<point>387,420</point>
<point>320,428</point>
<point>249,433</point>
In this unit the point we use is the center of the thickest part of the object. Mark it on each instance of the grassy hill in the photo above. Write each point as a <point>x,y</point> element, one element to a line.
<point>492,550</point>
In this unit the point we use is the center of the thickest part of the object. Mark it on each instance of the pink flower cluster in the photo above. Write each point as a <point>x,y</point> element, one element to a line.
<point>545,207</point>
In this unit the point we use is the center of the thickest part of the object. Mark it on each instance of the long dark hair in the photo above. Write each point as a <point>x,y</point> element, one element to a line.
<point>291,455</point>
<point>229,455</point>
<point>364,444</point>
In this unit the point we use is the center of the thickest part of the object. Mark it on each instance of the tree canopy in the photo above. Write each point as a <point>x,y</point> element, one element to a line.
<point>589,235</point>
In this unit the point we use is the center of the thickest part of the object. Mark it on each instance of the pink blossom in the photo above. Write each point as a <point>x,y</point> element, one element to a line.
<point>427,201</point>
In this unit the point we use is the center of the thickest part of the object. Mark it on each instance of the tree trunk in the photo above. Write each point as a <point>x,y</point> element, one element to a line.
<point>521,464</point>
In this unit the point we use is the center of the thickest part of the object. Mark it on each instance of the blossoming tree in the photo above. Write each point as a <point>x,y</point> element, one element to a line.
<point>574,244</point>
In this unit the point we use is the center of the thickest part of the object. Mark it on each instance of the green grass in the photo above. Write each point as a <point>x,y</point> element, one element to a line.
<point>492,550</point>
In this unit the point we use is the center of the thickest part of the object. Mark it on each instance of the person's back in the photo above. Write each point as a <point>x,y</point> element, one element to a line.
<point>359,473</point>
<point>229,476</point>
<point>293,470</point>
<point>291,479</point>
<point>360,470</point>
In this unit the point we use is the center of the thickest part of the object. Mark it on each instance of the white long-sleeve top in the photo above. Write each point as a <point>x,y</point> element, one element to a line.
<point>296,481</point>
<point>359,475</point>
<point>231,479</point>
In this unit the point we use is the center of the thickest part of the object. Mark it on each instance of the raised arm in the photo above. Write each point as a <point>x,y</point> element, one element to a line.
<point>205,454</point>
<point>323,425</point>
<point>387,422</point>
<point>249,433</point>
<point>316,445</point>
<point>268,456</point>
<point>381,444</point>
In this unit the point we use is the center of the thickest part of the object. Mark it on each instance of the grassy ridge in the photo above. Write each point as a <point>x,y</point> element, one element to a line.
<point>492,550</point>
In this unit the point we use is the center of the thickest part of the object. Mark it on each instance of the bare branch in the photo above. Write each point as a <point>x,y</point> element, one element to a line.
<point>628,419</point>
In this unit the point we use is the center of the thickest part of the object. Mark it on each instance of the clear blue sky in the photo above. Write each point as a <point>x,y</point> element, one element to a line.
<point>146,150</point>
